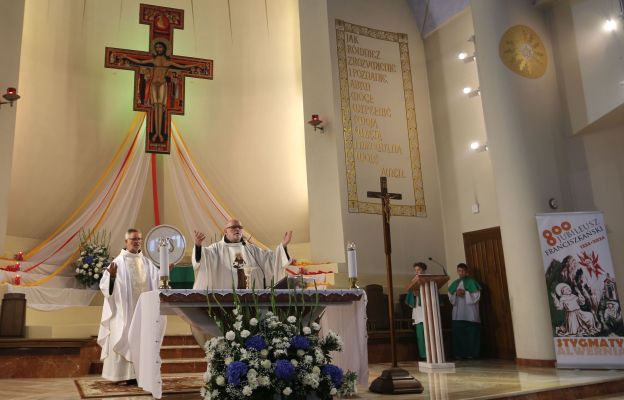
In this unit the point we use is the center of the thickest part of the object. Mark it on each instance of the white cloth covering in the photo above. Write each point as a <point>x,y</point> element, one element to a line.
<point>49,299</point>
<point>215,271</point>
<point>145,337</point>
<point>135,274</point>
<point>348,321</point>
<point>465,308</point>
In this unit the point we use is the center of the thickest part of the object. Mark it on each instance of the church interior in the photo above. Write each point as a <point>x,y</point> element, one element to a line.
<point>283,114</point>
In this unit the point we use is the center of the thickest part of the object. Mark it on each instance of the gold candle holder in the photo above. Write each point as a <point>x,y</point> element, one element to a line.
<point>164,283</point>
<point>353,283</point>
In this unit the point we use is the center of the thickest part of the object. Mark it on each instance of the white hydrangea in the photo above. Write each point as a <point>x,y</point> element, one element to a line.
<point>316,326</point>
<point>228,360</point>
<point>300,353</point>
<point>266,364</point>
<point>307,330</point>
<point>292,319</point>
<point>230,335</point>
<point>220,380</point>
<point>253,322</point>
<point>287,391</point>
<point>245,333</point>
<point>308,359</point>
<point>264,380</point>
<point>316,370</point>
<point>264,353</point>
<point>295,363</point>
<point>333,391</point>
<point>247,390</point>
<point>311,380</point>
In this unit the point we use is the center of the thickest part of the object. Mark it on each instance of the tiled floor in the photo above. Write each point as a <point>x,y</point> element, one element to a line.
<point>471,380</point>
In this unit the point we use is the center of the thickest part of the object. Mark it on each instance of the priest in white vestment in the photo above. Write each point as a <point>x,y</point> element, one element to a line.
<point>216,265</point>
<point>129,275</point>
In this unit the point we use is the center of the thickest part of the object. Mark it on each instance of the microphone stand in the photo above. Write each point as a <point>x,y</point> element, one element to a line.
<point>440,264</point>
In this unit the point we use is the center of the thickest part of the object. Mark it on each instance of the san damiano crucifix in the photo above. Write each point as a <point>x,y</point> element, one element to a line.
<point>158,75</point>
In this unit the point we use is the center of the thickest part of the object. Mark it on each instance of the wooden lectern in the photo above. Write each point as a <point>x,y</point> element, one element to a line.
<point>428,286</point>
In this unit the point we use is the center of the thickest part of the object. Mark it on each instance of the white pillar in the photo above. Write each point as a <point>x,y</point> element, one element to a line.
<point>11,24</point>
<point>324,198</point>
<point>522,118</point>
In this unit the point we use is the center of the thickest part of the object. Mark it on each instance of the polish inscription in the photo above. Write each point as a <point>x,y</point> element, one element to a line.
<point>378,116</point>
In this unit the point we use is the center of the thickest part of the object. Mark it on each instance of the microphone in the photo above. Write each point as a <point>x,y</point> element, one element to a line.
<point>250,251</point>
<point>440,264</point>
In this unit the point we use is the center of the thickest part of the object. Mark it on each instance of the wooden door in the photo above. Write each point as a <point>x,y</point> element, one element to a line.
<point>484,256</point>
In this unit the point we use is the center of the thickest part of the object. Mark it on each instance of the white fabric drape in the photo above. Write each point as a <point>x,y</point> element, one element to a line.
<point>200,209</point>
<point>113,210</point>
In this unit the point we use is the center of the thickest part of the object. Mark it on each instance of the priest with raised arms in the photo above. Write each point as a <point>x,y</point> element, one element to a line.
<point>126,278</point>
<point>220,265</point>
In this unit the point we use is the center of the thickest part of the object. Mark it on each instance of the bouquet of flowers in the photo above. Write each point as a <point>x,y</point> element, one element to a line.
<point>271,355</point>
<point>94,257</point>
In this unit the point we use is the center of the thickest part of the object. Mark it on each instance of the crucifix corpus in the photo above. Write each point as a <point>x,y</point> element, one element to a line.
<point>394,380</point>
<point>159,75</point>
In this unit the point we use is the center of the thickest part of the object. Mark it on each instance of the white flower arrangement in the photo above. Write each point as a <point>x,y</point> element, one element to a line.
<point>272,355</point>
<point>93,258</point>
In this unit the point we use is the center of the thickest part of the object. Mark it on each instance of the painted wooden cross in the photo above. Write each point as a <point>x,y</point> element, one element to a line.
<point>394,380</point>
<point>159,76</point>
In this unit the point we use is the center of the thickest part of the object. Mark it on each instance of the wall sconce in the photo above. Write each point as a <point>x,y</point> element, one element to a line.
<point>612,24</point>
<point>10,96</point>
<point>470,92</point>
<point>478,147</point>
<point>465,57</point>
<point>317,123</point>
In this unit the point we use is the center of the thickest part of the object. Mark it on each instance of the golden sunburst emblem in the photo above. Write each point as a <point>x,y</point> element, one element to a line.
<point>523,52</point>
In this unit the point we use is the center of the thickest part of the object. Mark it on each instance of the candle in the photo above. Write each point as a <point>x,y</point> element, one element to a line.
<point>351,260</point>
<point>18,279</point>
<point>164,257</point>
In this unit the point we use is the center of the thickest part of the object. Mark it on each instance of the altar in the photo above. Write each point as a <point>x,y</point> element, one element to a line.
<point>341,310</point>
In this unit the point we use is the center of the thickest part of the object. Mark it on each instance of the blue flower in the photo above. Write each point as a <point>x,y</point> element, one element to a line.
<point>284,370</point>
<point>334,373</point>
<point>255,342</point>
<point>89,260</point>
<point>300,342</point>
<point>235,371</point>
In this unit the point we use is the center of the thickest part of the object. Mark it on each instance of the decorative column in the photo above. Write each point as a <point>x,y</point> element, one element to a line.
<point>523,121</point>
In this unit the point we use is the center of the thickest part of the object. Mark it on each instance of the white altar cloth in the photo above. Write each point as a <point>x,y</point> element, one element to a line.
<point>147,327</point>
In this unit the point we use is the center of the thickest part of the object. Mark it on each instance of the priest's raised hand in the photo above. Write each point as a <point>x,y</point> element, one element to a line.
<point>214,264</point>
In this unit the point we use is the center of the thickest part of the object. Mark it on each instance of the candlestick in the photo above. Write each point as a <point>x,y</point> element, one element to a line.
<point>18,279</point>
<point>163,253</point>
<point>351,260</point>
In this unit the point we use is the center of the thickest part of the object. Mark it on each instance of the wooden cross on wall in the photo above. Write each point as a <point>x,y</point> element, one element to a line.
<point>158,75</point>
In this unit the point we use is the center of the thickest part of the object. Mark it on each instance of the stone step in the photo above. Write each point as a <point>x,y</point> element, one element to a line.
<point>171,366</point>
<point>179,340</point>
<point>176,352</point>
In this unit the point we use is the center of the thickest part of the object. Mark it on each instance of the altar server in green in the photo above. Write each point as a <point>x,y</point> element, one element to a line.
<point>464,293</point>
<point>413,300</point>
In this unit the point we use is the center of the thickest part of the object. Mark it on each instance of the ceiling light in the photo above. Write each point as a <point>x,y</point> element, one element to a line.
<point>610,25</point>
